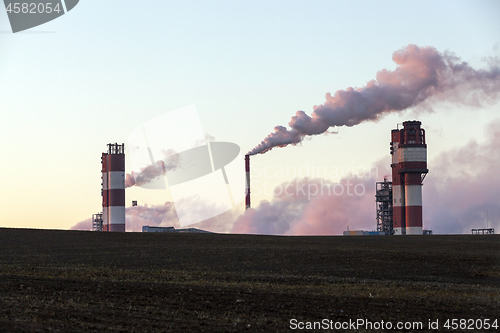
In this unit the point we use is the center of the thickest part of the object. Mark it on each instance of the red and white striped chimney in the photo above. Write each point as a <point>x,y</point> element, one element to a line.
<point>247,170</point>
<point>113,188</point>
<point>398,188</point>
<point>409,167</point>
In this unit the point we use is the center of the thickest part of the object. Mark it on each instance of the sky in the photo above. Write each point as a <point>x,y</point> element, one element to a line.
<point>88,78</point>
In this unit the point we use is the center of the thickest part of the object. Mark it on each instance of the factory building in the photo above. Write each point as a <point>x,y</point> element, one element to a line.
<point>362,233</point>
<point>409,168</point>
<point>148,228</point>
<point>113,188</point>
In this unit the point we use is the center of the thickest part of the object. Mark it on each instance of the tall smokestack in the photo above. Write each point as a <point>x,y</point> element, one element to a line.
<point>398,206</point>
<point>409,167</point>
<point>247,170</point>
<point>113,188</point>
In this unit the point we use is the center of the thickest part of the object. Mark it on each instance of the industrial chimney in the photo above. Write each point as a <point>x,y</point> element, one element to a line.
<point>409,168</point>
<point>113,188</point>
<point>247,170</point>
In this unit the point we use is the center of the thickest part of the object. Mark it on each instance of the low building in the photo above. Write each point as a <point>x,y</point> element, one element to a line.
<point>147,228</point>
<point>363,233</point>
<point>485,231</point>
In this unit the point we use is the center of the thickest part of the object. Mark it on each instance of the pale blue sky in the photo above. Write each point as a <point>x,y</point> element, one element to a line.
<point>107,66</point>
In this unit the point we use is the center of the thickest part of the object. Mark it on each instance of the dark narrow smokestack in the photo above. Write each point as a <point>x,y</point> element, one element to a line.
<point>247,170</point>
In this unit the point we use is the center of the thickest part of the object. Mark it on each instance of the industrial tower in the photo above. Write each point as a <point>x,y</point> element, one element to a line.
<point>113,188</point>
<point>97,222</point>
<point>409,168</point>
<point>383,197</point>
<point>247,185</point>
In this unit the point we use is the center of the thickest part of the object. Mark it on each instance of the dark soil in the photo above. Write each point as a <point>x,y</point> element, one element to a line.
<point>75,281</point>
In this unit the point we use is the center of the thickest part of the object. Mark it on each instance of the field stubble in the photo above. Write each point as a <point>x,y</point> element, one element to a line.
<point>73,281</point>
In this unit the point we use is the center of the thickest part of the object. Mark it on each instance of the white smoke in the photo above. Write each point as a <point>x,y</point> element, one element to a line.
<point>422,72</point>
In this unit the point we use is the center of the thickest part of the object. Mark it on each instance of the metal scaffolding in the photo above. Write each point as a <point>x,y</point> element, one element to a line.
<point>97,222</point>
<point>115,148</point>
<point>383,198</point>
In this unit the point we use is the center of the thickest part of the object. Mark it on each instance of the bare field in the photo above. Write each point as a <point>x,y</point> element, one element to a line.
<point>75,281</point>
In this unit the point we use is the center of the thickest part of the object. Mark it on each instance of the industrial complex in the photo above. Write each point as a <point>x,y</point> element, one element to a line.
<point>398,202</point>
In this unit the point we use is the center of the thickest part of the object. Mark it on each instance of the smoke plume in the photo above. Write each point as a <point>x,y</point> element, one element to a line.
<point>462,189</point>
<point>83,225</point>
<point>165,216</point>
<point>421,72</point>
<point>157,215</point>
<point>460,193</point>
<point>138,216</point>
<point>313,207</point>
<point>152,172</point>
<point>146,175</point>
